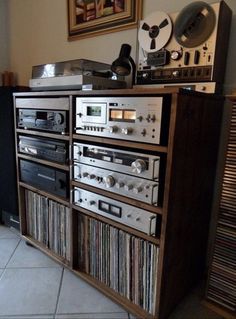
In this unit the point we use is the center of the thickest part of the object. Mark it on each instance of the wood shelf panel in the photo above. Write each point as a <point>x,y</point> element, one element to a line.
<point>44,134</point>
<point>114,142</point>
<point>59,103</point>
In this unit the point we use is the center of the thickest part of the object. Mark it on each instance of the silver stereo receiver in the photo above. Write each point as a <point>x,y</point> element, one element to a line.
<point>132,163</point>
<point>129,174</point>
<point>136,119</point>
<point>134,217</point>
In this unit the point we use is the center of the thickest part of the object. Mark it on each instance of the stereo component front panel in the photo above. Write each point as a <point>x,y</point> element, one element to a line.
<point>47,149</point>
<point>122,184</point>
<point>46,120</point>
<point>136,119</point>
<point>45,178</point>
<point>132,163</point>
<point>133,217</point>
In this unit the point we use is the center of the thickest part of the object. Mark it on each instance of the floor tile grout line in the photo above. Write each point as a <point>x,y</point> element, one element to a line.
<point>25,316</point>
<point>12,253</point>
<point>59,291</point>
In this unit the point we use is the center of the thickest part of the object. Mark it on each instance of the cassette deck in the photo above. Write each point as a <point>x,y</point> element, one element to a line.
<point>138,119</point>
<point>46,120</point>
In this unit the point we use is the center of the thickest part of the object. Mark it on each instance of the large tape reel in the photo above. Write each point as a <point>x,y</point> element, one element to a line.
<point>155,31</point>
<point>194,24</point>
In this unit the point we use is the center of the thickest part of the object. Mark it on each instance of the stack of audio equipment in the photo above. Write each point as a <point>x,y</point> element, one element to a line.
<point>131,174</point>
<point>51,124</point>
<point>188,48</point>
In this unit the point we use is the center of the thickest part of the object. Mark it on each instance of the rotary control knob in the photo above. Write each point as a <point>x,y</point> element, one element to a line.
<point>85,174</point>
<point>128,187</point>
<point>112,129</point>
<point>138,166</point>
<point>58,118</point>
<point>92,202</point>
<point>109,181</point>
<point>137,189</point>
<point>145,75</point>
<point>127,130</point>
<point>176,55</point>
<point>175,73</point>
<point>92,176</point>
<point>119,185</point>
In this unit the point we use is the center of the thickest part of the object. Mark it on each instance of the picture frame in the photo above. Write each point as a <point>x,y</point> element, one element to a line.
<point>88,18</point>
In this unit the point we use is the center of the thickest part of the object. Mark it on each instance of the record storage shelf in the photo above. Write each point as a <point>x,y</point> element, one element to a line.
<point>180,244</point>
<point>221,285</point>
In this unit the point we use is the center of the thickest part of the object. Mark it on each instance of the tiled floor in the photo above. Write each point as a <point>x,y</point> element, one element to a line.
<point>32,286</point>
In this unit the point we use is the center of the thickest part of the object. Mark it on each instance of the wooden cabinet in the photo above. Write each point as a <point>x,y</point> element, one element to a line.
<point>146,271</point>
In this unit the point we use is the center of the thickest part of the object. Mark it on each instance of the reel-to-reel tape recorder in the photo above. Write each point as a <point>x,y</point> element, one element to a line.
<point>186,47</point>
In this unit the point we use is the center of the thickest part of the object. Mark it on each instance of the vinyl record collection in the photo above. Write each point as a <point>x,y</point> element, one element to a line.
<point>122,261</point>
<point>222,280</point>
<point>49,223</point>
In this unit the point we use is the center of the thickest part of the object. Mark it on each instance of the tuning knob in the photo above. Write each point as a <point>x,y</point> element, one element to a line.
<point>127,130</point>
<point>138,166</point>
<point>109,181</point>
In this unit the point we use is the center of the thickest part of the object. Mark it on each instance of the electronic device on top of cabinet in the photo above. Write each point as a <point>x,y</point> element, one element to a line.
<point>189,46</point>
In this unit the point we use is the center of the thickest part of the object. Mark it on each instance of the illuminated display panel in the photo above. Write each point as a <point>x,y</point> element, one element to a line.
<point>122,115</point>
<point>129,115</point>
<point>116,114</point>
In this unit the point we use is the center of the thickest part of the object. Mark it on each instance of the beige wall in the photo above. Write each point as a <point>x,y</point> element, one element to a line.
<point>38,34</point>
<point>4,53</point>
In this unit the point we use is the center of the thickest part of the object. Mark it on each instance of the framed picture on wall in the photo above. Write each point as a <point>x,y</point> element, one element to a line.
<point>88,18</point>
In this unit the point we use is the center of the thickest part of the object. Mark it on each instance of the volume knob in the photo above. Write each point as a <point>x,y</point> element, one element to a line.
<point>109,181</point>
<point>138,166</point>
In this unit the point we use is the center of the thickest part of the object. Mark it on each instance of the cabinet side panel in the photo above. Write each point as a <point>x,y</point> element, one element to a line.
<point>193,166</point>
